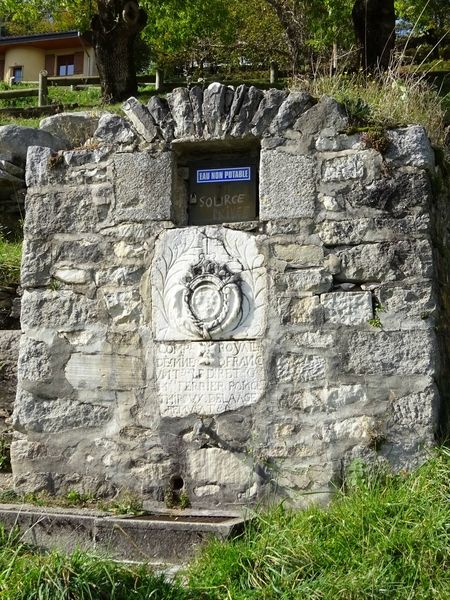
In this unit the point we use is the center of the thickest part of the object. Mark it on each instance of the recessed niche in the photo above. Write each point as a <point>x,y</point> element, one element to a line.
<point>217,182</point>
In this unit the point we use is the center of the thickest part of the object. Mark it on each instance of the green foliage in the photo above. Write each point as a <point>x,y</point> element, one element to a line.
<point>126,503</point>
<point>389,100</point>
<point>27,575</point>
<point>42,16</point>
<point>10,258</point>
<point>5,455</point>
<point>388,539</point>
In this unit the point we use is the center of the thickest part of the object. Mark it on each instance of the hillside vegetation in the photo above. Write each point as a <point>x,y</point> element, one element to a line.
<point>386,537</point>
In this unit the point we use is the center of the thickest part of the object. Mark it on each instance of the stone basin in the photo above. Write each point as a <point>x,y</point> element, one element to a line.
<point>162,537</point>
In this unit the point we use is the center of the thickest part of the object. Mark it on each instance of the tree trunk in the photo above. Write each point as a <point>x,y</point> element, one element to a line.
<point>292,19</point>
<point>374,24</point>
<point>114,31</point>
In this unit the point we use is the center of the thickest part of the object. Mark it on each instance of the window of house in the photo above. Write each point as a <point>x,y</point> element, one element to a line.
<point>65,65</point>
<point>17,73</point>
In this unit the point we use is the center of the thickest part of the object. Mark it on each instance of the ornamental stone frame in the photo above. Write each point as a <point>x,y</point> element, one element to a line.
<point>242,360</point>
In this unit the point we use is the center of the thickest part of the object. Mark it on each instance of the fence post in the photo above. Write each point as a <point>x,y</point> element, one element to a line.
<point>159,79</point>
<point>273,72</point>
<point>43,89</point>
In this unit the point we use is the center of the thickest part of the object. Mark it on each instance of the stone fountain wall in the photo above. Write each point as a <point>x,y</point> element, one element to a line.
<point>231,361</point>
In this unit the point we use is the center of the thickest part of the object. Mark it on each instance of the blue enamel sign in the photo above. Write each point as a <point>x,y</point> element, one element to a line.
<point>225,175</point>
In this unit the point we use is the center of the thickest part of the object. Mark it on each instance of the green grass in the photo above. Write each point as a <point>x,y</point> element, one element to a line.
<point>386,538</point>
<point>10,257</point>
<point>27,575</point>
<point>387,101</point>
<point>389,539</point>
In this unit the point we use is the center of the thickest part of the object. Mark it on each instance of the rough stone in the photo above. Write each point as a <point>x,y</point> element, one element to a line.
<point>247,109</point>
<point>214,109</point>
<point>9,352</point>
<point>300,256</point>
<point>143,186</point>
<point>181,109</point>
<point>113,129</point>
<point>410,146</point>
<point>305,282</point>
<point>160,111</point>
<point>327,117</point>
<point>298,368</point>
<point>291,108</point>
<point>219,467</point>
<point>142,120</point>
<point>347,308</point>
<point>104,371</point>
<point>287,185</point>
<point>63,310</point>
<point>16,140</point>
<point>196,98</point>
<point>268,108</point>
<point>74,128</point>
<point>345,166</point>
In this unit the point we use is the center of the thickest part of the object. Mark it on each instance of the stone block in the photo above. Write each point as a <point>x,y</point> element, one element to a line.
<point>389,353</point>
<point>386,261</point>
<point>215,99</point>
<point>407,305</point>
<point>160,111</point>
<point>299,256</point>
<point>214,466</point>
<point>74,128</point>
<point>287,185</point>
<point>36,263</point>
<point>416,413</point>
<point>349,165</point>
<point>37,165</point>
<point>115,130</point>
<point>142,120</point>
<point>143,186</point>
<point>410,146</point>
<point>302,311</point>
<point>60,310</point>
<point>267,110</point>
<point>181,109</point>
<point>16,140</point>
<point>347,308</point>
<point>241,123</point>
<point>64,210</point>
<point>40,415</point>
<point>9,352</point>
<point>124,308</point>
<point>290,110</point>
<point>196,98</point>
<point>304,282</point>
<point>104,371</point>
<point>300,368</point>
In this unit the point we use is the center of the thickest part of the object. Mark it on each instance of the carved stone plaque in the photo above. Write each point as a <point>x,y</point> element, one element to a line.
<point>208,283</point>
<point>208,378</point>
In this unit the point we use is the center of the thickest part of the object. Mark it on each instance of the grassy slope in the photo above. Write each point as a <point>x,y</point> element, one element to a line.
<point>389,538</point>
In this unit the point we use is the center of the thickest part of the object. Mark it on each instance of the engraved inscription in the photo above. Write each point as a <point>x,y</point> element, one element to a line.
<point>208,283</point>
<point>208,378</point>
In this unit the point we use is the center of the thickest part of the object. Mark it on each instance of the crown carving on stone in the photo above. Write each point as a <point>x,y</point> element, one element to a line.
<point>212,298</point>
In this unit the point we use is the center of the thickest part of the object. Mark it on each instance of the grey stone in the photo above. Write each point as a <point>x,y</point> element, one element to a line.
<point>104,371</point>
<point>9,352</point>
<point>287,185</point>
<point>410,146</point>
<point>292,368</point>
<point>38,165</point>
<point>75,128</point>
<point>36,414</point>
<point>113,129</point>
<point>266,112</point>
<point>305,281</point>
<point>303,311</point>
<point>143,186</point>
<point>196,98</point>
<point>242,121</point>
<point>300,255</point>
<point>390,353</point>
<point>327,117</point>
<point>238,99</point>
<point>181,108</point>
<point>386,261</point>
<point>11,169</point>
<point>347,308</point>
<point>291,108</point>
<point>62,210</point>
<point>214,109</point>
<point>160,111</point>
<point>347,165</point>
<point>63,310</point>
<point>407,306</point>
<point>141,119</point>
<point>16,140</point>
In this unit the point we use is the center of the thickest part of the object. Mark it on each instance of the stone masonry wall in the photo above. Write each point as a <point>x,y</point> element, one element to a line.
<point>320,345</point>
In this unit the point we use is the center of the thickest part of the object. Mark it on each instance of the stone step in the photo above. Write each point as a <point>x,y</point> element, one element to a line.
<point>165,537</point>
